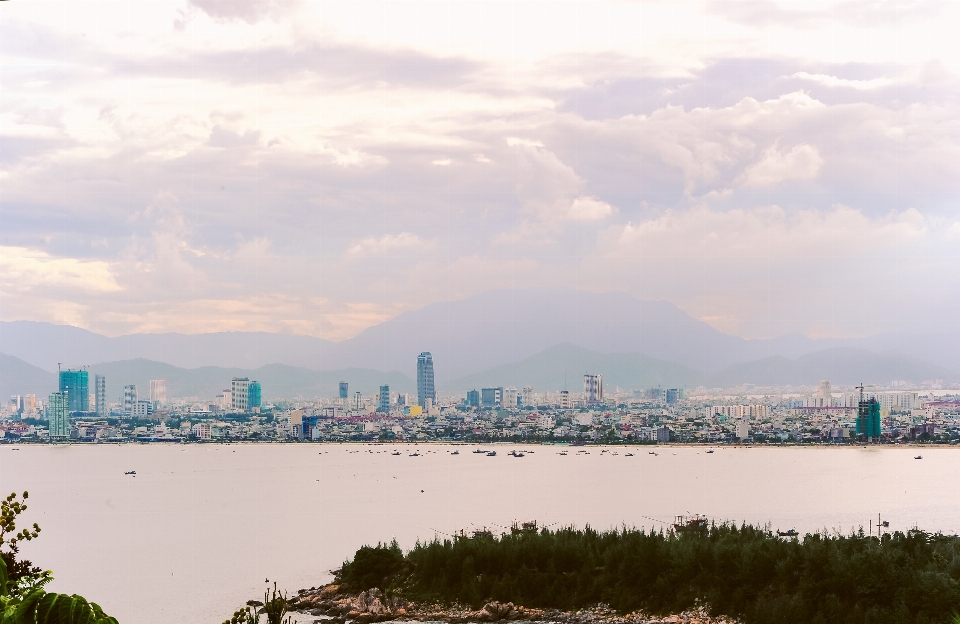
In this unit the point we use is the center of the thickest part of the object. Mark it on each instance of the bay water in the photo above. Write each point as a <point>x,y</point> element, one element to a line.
<point>201,529</point>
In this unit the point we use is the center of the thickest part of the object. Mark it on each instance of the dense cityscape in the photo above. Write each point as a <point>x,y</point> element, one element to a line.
<point>897,413</point>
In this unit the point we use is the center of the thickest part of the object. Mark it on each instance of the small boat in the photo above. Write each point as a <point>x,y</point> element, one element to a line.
<point>479,451</point>
<point>629,455</point>
<point>492,454</point>
<point>515,454</point>
<point>130,472</point>
<point>790,533</point>
<point>396,453</point>
<point>455,453</point>
<point>710,451</point>
<point>414,454</point>
<point>562,453</point>
<point>919,457</point>
<point>651,453</point>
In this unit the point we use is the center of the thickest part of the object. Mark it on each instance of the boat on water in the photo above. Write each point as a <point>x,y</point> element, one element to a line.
<point>455,453</point>
<point>492,454</point>
<point>790,533</point>
<point>710,451</point>
<point>130,472</point>
<point>629,455</point>
<point>479,451</point>
<point>396,453</point>
<point>526,527</point>
<point>516,454</point>
<point>562,453</point>
<point>919,457</point>
<point>651,453</point>
<point>414,454</point>
<point>690,523</point>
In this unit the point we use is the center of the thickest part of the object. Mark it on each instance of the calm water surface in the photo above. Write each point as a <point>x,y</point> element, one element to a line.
<point>199,529</point>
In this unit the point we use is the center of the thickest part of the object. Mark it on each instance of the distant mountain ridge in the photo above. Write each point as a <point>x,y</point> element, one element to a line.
<point>466,337</point>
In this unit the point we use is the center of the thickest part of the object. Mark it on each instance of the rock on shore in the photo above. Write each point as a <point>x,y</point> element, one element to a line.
<point>374,606</point>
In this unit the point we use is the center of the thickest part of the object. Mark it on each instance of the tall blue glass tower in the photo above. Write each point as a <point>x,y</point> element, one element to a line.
<point>76,383</point>
<point>425,389</point>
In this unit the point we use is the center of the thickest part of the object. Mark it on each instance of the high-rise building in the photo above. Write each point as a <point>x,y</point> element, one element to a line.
<point>239,387</point>
<point>526,396</point>
<point>593,388</point>
<point>16,404</point>
<point>100,395</point>
<point>383,406</point>
<point>344,390</point>
<point>158,391</point>
<point>425,387</point>
<point>565,399</point>
<point>29,403</point>
<point>473,398</point>
<point>491,397</point>
<point>58,415</point>
<point>129,399</point>
<point>76,383</point>
<point>674,395</point>
<point>510,397</point>
<point>357,400</point>
<point>868,419</point>
<point>254,392</point>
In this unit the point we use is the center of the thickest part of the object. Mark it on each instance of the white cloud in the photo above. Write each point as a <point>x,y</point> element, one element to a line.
<point>802,162</point>
<point>23,269</point>
<point>442,162</point>
<point>833,81</point>
<point>590,209</point>
<point>387,244</point>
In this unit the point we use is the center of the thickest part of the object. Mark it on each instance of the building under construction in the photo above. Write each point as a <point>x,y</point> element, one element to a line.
<point>868,417</point>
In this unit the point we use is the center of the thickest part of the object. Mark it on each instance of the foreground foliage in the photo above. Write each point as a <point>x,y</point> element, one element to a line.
<point>740,571</point>
<point>273,606</point>
<point>22,597</point>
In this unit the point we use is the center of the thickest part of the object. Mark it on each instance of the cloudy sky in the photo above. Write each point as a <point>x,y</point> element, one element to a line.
<point>316,168</point>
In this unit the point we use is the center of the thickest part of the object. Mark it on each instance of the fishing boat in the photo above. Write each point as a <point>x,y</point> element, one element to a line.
<point>629,455</point>
<point>562,453</point>
<point>130,472</point>
<point>790,533</point>
<point>526,527</point>
<point>710,451</point>
<point>492,454</point>
<point>690,523</point>
<point>414,454</point>
<point>516,454</point>
<point>396,453</point>
<point>455,453</point>
<point>479,451</point>
<point>919,457</point>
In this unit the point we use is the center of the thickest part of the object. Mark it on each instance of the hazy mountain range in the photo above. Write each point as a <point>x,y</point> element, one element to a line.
<point>503,337</point>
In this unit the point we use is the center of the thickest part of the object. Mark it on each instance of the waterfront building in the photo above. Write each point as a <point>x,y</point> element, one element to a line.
<point>158,391</point>
<point>254,395</point>
<point>129,399</point>
<point>383,405</point>
<point>868,419</point>
<point>527,396</point>
<point>743,430</point>
<point>425,383</point>
<point>100,395</point>
<point>239,388</point>
<point>201,431</point>
<point>344,390</point>
<point>58,415</point>
<point>76,384</point>
<point>593,388</point>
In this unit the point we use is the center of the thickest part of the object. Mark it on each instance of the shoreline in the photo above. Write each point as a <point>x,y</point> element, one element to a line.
<point>343,607</point>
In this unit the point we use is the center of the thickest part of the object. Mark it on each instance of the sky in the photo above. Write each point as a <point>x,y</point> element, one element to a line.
<point>320,167</point>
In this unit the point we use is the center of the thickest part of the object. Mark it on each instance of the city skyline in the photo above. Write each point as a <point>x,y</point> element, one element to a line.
<point>769,168</point>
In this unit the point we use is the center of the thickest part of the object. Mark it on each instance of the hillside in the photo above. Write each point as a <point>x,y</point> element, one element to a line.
<point>19,377</point>
<point>564,365</point>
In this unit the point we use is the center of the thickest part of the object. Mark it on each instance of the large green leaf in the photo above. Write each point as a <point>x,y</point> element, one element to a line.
<point>64,609</point>
<point>24,611</point>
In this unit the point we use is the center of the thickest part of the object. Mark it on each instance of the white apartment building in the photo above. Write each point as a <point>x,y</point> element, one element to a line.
<point>202,431</point>
<point>158,391</point>
<point>593,388</point>
<point>739,412</point>
<point>509,397</point>
<point>527,397</point>
<point>895,400</point>
<point>238,388</point>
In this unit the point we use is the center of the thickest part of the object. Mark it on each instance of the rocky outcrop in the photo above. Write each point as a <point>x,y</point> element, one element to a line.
<point>375,606</point>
